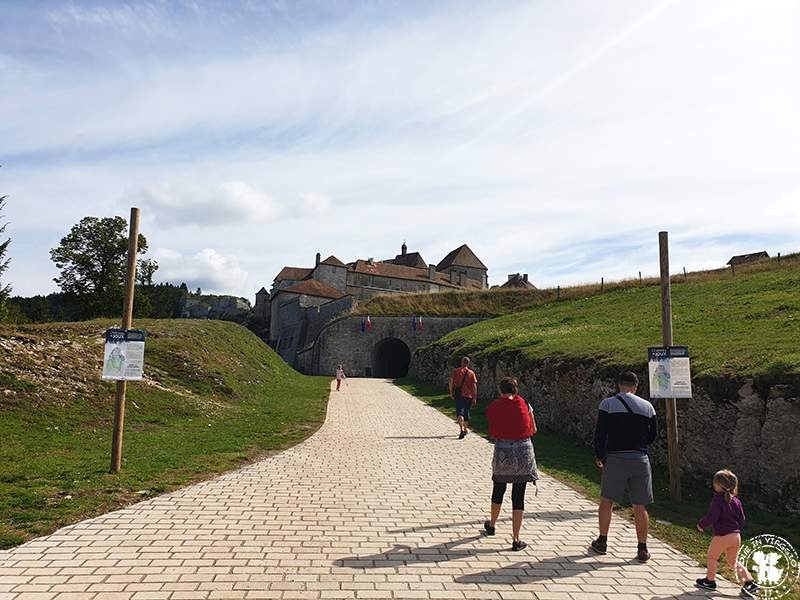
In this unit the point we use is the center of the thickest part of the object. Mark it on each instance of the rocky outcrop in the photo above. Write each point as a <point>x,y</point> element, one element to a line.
<point>751,426</point>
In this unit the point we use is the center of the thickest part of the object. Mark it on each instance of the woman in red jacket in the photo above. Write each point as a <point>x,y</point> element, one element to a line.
<point>511,425</point>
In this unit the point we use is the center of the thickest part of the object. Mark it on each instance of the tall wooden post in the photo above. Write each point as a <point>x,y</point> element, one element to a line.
<point>127,319</point>
<point>666,334</point>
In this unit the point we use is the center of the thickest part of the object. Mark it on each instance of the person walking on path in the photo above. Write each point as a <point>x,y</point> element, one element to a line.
<point>464,390</point>
<point>511,425</point>
<point>340,376</point>
<point>726,519</point>
<point>626,426</point>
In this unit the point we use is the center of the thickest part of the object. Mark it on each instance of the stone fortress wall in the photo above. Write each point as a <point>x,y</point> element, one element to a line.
<point>748,426</point>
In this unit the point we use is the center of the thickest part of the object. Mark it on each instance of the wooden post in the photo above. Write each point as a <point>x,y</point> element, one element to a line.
<point>558,293</point>
<point>779,258</point>
<point>602,283</point>
<point>127,318</point>
<point>666,334</point>
<point>685,276</point>
<point>640,277</point>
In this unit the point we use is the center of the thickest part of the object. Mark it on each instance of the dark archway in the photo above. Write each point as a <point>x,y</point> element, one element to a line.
<point>390,359</point>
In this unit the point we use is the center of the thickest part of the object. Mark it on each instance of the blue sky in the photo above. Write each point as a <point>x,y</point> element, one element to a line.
<point>555,138</point>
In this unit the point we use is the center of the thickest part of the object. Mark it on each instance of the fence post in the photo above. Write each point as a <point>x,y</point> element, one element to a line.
<point>640,278</point>
<point>602,283</point>
<point>558,293</point>
<point>685,277</point>
<point>779,258</point>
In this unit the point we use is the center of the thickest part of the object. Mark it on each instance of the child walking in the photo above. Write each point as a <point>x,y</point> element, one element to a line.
<point>339,377</point>
<point>726,518</point>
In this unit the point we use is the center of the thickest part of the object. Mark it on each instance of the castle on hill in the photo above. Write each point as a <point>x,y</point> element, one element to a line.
<point>302,300</point>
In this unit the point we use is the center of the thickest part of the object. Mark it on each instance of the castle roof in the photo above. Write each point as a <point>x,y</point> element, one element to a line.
<point>293,274</point>
<point>312,287</point>
<point>748,258</point>
<point>411,259</point>
<point>333,261</point>
<point>462,256</point>
<point>387,269</point>
<point>262,291</point>
<point>519,282</point>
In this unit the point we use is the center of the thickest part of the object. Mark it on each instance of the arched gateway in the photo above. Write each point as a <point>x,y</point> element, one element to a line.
<point>385,351</point>
<point>390,358</point>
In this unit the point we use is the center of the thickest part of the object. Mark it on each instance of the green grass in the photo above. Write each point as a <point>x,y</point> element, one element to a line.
<point>748,325</point>
<point>216,397</point>
<point>572,462</point>
<point>498,302</point>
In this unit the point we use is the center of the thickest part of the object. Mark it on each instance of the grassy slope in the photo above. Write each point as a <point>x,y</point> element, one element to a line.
<point>215,396</point>
<point>743,325</point>
<point>573,463</point>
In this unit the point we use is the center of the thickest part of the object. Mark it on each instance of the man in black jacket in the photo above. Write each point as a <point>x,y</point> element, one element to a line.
<point>626,426</point>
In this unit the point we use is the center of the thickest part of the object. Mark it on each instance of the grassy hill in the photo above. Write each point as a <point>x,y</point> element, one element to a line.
<point>744,325</point>
<point>214,397</point>
<point>497,302</point>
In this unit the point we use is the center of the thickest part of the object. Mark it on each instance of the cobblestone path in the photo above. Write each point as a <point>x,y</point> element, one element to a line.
<point>383,502</point>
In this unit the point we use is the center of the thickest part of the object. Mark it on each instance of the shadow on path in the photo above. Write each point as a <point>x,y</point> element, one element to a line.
<point>547,515</point>
<point>401,553</point>
<point>420,437</point>
<point>546,569</point>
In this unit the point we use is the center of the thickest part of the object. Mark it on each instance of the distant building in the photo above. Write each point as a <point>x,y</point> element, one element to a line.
<point>744,259</point>
<point>518,282</point>
<point>302,299</point>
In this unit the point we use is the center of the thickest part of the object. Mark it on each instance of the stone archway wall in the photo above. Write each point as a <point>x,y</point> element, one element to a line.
<point>341,341</point>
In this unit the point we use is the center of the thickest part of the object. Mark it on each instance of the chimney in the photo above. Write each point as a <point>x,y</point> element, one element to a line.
<point>319,258</point>
<point>432,272</point>
<point>371,261</point>
<point>511,276</point>
<point>525,278</point>
<point>403,249</point>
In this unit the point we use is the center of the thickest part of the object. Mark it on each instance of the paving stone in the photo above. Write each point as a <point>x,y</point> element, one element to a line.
<point>383,502</point>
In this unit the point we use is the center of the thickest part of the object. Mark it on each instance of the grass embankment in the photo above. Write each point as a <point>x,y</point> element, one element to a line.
<point>214,397</point>
<point>498,302</point>
<point>748,325</point>
<point>572,462</point>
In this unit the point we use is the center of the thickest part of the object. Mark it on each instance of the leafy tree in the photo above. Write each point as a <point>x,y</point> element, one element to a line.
<point>145,271</point>
<point>5,290</point>
<point>92,262</point>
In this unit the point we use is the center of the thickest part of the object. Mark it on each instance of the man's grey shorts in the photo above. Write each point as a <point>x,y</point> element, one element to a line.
<point>627,474</point>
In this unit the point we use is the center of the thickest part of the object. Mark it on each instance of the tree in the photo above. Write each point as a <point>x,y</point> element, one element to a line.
<point>92,262</point>
<point>145,271</point>
<point>5,290</point>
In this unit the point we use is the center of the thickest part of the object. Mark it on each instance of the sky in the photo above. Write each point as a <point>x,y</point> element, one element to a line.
<point>556,138</point>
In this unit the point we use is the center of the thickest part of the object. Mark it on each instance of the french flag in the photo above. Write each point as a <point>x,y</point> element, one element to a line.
<point>363,325</point>
<point>420,324</point>
<point>369,323</point>
<point>414,323</point>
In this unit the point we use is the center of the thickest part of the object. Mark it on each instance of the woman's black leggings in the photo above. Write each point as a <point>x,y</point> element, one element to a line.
<point>517,494</point>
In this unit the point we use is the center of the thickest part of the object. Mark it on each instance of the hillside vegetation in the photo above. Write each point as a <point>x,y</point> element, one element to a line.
<point>214,396</point>
<point>498,302</point>
<point>743,325</point>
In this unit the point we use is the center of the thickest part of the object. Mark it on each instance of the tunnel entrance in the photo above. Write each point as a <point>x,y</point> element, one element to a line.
<point>390,359</point>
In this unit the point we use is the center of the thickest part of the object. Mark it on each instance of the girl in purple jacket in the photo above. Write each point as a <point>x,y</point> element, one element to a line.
<point>726,518</point>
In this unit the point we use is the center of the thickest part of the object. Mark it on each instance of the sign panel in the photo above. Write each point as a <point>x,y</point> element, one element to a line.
<point>123,359</point>
<point>670,376</point>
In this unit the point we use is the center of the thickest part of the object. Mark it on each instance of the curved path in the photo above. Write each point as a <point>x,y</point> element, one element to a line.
<point>383,502</point>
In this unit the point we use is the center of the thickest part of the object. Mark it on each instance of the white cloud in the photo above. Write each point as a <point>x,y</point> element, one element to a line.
<point>233,202</point>
<point>206,269</point>
<point>315,203</point>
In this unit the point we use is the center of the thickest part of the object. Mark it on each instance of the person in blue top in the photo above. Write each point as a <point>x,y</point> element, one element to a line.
<point>626,426</point>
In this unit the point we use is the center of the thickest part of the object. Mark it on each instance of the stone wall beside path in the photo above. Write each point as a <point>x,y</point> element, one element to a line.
<point>749,426</point>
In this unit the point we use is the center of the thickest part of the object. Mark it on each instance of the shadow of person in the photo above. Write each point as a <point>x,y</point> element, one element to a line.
<point>408,555</point>
<point>693,594</point>
<point>545,569</point>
